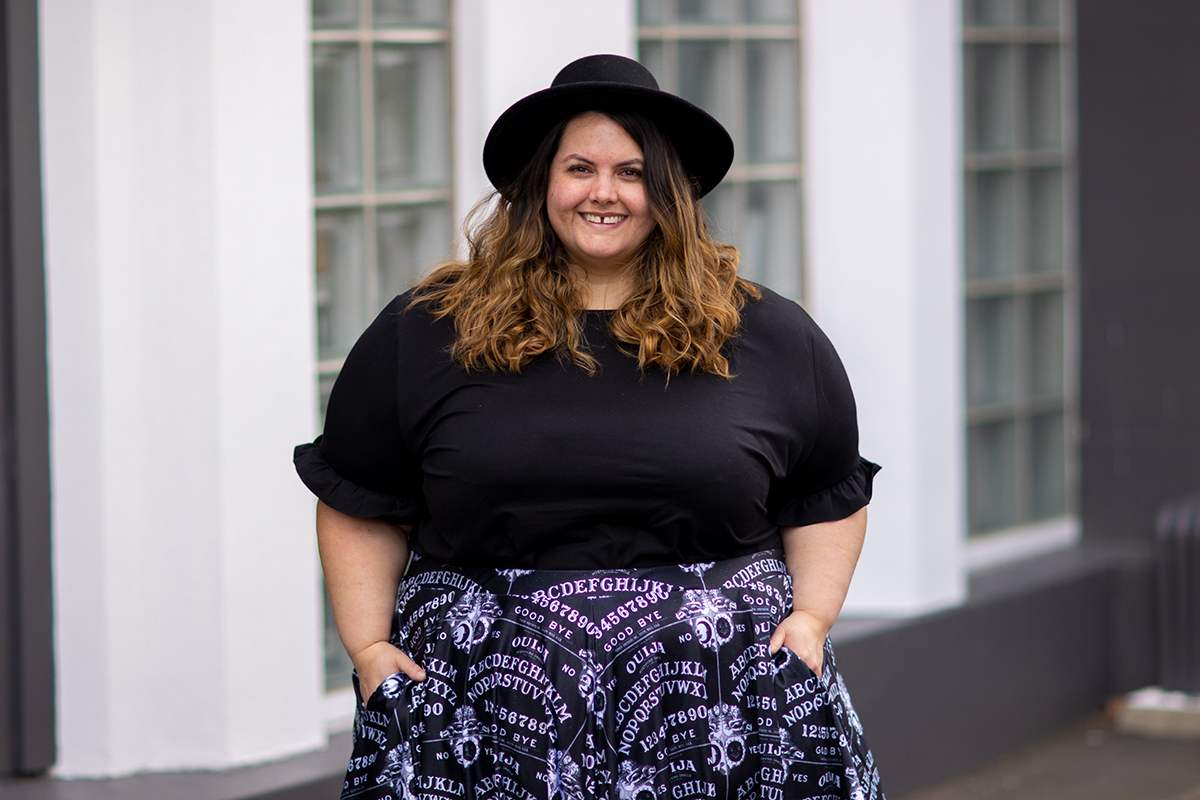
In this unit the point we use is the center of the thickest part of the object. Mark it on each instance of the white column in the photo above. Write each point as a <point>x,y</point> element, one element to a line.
<point>178,232</point>
<point>506,49</point>
<point>882,115</point>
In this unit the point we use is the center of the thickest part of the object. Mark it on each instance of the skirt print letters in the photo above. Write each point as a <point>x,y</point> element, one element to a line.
<point>630,684</point>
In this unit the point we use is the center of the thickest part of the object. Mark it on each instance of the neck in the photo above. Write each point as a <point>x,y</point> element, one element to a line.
<point>605,290</point>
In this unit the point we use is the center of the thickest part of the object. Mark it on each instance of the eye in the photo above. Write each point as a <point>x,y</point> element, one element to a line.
<point>632,172</point>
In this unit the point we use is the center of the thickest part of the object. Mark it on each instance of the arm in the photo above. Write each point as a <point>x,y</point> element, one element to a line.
<point>820,560</point>
<point>363,560</point>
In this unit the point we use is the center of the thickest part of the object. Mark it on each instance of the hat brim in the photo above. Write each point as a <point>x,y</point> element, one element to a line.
<point>703,144</point>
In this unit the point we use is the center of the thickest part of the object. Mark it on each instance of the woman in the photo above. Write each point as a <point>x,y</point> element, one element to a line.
<point>628,482</point>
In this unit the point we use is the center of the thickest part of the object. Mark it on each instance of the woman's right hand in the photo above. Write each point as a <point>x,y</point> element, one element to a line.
<point>377,662</point>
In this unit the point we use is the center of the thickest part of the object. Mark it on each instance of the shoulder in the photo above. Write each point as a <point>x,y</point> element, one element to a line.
<point>405,326</point>
<point>410,315</point>
<point>774,317</point>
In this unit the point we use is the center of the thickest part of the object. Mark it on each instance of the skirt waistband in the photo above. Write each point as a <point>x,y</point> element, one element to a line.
<point>557,584</point>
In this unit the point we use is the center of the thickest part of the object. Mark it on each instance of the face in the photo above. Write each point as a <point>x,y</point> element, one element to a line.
<point>597,200</point>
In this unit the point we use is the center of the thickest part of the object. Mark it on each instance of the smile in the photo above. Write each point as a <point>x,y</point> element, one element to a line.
<point>608,219</point>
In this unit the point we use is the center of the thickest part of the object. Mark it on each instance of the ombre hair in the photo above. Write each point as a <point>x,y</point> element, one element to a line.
<point>515,297</point>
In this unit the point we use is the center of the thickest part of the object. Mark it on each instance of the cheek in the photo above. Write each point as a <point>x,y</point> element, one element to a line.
<point>560,203</point>
<point>554,210</point>
<point>639,206</point>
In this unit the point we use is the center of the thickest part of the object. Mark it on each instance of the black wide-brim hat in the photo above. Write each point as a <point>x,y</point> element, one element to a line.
<point>607,83</point>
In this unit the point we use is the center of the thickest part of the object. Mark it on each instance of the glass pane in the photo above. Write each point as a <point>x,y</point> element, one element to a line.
<point>770,243</point>
<point>990,98</point>
<point>780,12</point>
<point>411,240</point>
<point>991,350</point>
<point>337,663</point>
<point>721,216</point>
<point>992,475</point>
<point>991,221</point>
<point>772,101</point>
<point>334,14</point>
<point>341,281</point>
<point>1046,363</point>
<point>1048,473</point>
<point>1045,220</point>
<point>412,125</point>
<point>994,13</point>
<point>650,12</point>
<point>704,77</point>
<point>1043,13</point>
<point>411,13</point>
<point>704,11</point>
<point>650,53</point>
<point>1043,116</point>
<point>337,135</point>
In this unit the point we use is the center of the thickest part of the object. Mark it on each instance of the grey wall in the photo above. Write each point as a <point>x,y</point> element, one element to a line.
<point>1139,175</point>
<point>26,648</point>
<point>1038,646</point>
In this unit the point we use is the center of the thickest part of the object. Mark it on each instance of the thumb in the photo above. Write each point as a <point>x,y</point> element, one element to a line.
<point>776,640</point>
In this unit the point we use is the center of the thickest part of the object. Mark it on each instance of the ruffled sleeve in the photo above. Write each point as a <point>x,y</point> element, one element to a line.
<point>361,465</point>
<point>825,479</point>
<point>347,497</point>
<point>832,503</point>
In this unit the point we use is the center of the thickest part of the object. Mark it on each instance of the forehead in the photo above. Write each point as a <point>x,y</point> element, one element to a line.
<point>595,134</point>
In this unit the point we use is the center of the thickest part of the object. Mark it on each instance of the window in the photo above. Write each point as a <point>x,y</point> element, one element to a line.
<point>1020,260</point>
<point>739,60</point>
<point>381,173</point>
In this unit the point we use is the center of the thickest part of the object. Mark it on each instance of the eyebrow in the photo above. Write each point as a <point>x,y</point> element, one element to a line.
<point>588,161</point>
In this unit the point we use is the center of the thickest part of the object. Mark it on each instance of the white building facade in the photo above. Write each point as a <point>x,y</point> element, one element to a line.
<point>190,345</point>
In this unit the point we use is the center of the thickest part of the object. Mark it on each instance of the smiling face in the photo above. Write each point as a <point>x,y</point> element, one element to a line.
<point>597,200</point>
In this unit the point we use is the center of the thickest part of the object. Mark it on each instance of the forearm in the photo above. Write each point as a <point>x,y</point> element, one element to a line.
<point>363,560</point>
<point>820,560</point>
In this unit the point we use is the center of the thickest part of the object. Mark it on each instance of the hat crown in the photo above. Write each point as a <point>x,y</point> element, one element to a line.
<point>605,69</point>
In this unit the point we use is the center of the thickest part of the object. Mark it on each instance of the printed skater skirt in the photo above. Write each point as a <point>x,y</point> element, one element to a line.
<point>627,684</point>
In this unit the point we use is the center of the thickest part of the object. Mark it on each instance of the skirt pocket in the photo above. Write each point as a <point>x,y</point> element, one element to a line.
<point>822,740</point>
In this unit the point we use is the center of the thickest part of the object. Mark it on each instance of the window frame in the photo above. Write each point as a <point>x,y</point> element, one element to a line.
<point>742,175</point>
<point>371,201</point>
<point>1028,536</point>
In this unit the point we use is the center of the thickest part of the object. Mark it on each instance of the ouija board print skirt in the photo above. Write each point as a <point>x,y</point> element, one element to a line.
<point>627,684</point>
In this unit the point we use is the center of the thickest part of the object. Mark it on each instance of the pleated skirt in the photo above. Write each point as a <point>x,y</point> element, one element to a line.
<point>626,684</point>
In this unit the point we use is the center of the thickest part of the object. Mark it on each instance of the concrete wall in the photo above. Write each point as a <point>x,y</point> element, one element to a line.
<point>1038,646</point>
<point>26,637</point>
<point>180,318</point>
<point>177,140</point>
<point>1139,250</point>
<point>178,234</point>
<point>882,113</point>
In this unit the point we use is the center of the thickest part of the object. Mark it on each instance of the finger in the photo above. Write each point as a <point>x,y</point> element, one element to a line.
<point>410,667</point>
<point>776,640</point>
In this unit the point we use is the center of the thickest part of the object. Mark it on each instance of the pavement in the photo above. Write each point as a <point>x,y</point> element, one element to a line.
<point>1087,761</point>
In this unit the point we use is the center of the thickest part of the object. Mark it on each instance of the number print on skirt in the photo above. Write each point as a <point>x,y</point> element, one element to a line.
<point>629,684</point>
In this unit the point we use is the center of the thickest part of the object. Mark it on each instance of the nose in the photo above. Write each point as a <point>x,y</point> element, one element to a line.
<point>604,189</point>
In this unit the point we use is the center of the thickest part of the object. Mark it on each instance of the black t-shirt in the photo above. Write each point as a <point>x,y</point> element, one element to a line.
<point>553,468</point>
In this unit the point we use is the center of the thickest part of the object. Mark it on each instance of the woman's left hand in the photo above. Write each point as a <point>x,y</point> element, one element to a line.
<point>804,635</point>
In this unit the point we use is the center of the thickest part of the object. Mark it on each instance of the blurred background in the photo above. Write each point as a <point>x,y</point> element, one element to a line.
<point>988,205</point>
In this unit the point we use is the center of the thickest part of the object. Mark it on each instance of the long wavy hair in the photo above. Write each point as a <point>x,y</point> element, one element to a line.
<point>515,297</point>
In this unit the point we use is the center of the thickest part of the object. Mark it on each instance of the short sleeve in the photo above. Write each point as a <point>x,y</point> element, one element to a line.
<point>830,480</point>
<point>360,465</point>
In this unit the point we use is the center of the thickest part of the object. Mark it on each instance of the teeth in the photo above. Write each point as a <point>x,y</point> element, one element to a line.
<point>607,220</point>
